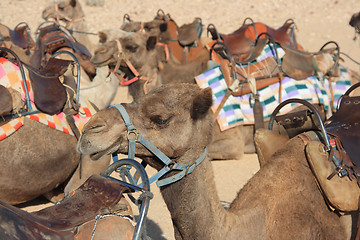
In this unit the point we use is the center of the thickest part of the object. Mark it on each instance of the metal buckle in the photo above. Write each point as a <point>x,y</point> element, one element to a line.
<point>135,132</point>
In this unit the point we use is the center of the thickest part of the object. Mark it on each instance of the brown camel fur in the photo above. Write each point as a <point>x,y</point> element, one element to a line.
<point>36,159</point>
<point>281,201</point>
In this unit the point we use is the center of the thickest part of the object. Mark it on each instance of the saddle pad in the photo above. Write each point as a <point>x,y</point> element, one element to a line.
<point>238,110</point>
<point>10,77</point>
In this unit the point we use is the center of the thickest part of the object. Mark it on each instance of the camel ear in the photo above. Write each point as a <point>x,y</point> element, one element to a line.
<point>151,43</point>
<point>201,104</point>
<point>73,3</point>
<point>102,37</point>
<point>163,27</point>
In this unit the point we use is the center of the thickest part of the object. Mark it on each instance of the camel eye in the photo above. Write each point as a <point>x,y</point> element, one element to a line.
<point>132,48</point>
<point>61,7</point>
<point>161,122</point>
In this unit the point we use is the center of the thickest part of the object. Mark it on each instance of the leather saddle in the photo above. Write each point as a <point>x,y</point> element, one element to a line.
<point>49,93</point>
<point>332,152</point>
<point>97,196</point>
<point>189,33</point>
<point>240,42</point>
<point>300,65</point>
<point>19,36</point>
<point>54,37</point>
<point>264,73</point>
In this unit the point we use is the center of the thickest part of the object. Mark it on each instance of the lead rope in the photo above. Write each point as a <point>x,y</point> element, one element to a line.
<point>122,57</point>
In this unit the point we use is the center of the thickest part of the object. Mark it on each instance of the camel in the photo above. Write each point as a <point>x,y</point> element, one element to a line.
<point>281,201</point>
<point>37,159</point>
<point>139,49</point>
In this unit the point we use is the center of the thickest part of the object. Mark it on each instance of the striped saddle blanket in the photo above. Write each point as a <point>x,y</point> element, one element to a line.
<point>238,110</point>
<point>10,77</point>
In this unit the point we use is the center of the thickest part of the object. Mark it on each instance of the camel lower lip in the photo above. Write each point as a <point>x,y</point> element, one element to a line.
<point>96,156</point>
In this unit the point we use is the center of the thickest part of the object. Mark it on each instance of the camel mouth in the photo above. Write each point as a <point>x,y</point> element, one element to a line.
<point>100,63</point>
<point>110,150</point>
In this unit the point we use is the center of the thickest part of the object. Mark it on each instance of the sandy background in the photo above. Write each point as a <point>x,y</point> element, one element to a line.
<point>317,23</point>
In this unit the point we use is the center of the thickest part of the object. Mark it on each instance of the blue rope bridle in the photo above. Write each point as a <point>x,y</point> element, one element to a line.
<point>169,164</point>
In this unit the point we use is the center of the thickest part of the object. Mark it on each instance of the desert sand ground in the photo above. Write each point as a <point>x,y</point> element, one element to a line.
<point>317,22</point>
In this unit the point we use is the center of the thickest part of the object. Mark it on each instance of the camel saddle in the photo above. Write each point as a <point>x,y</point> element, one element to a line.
<point>97,196</point>
<point>185,43</point>
<point>240,42</point>
<point>49,93</point>
<point>265,73</point>
<point>19,36</point>
<point>342,192</point>
<point>345,126</point>
<point>53,38</point>
<point>189,33</point>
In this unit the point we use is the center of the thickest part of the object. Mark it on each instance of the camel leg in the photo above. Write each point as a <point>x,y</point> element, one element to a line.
<point>87,168</point>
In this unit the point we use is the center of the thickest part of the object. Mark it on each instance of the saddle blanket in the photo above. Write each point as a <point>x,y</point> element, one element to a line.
<point>238,110</point>
<point>10,77</point>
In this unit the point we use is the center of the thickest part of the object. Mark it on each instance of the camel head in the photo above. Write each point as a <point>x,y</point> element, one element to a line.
<point>175,118</point>
<point>65,10</point>
<point>134,55</point>
<point>355,21</point>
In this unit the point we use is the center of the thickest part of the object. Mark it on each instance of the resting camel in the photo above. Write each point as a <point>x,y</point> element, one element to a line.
<point>237,141</point>
<point>281,201</point>
<point>37,158</point>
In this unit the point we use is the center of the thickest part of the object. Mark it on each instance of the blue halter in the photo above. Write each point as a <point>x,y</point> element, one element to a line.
<point>169,164</point>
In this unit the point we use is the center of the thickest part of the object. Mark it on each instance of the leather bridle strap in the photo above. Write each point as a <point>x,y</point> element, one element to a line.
<point>122,57</point>
<point>169,164</point>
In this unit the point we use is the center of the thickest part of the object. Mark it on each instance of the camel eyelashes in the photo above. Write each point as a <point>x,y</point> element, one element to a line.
<point>132,48</point>
<point>159,121</point>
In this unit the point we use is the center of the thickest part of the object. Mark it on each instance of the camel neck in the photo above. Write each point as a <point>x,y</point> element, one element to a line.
<point>81,33</point>
<point>194,204</point>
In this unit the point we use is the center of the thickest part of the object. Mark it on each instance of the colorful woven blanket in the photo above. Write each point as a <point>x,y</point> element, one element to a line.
<point>10,77</point>
<point>238,110</point>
